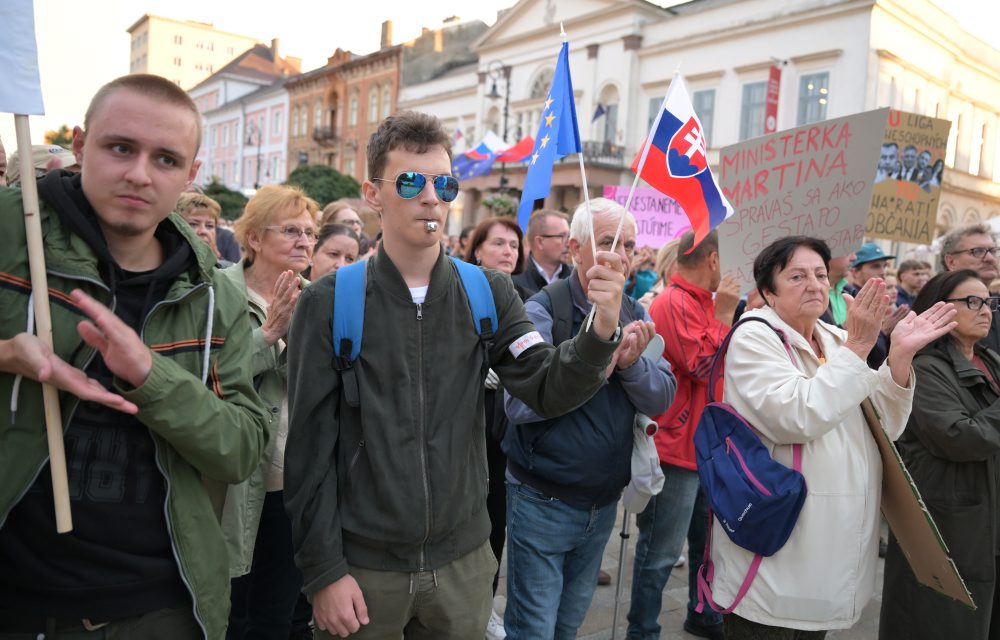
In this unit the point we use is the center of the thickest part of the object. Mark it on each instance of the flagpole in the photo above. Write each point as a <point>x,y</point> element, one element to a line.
<point>43,323</point>
<point>583,173</point>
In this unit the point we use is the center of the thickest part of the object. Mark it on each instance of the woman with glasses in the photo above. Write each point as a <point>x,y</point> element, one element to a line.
<point>277,231</point>
<point>496,244</point>
<point>951,447</point>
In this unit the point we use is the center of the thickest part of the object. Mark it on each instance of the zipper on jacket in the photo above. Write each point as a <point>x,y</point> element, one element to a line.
<point>166,478</point>
<point>354,461</point>
<point>76,403</point>
<point>421,437</point>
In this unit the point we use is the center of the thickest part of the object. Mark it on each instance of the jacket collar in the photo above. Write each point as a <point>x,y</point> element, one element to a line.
<point>830,337</point>
<point>704,296</point>
<point>968,374</point>
<point>391,280</point>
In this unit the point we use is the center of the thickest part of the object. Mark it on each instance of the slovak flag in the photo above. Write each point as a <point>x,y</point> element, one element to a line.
<point>674,161</point>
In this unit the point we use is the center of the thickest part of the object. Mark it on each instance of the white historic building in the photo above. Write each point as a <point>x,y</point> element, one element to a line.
<point>837,57</point>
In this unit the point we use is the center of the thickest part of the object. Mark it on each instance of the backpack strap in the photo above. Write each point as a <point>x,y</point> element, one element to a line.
<point>706,573</point>
<point>480,295</point>
<point>561,300</point>
<point>720,355</point>
<point>348,314</point>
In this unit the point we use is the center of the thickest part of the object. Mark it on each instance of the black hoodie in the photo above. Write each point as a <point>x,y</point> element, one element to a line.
<point>117,562</point>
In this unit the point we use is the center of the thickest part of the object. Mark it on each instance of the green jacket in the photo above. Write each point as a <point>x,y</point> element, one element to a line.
<point>206,435</point>
<point>399,481</point>
<point>244,501</point>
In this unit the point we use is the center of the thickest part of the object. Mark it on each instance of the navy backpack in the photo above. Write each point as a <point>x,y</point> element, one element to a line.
<point>755,498</point>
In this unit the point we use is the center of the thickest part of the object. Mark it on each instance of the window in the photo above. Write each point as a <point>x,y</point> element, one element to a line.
<point>543,82</point>
<point>178,40</point>
<point>295,123</point>
<point>813,97</point>
<point>229,50</point>
<point>211,46</point>
<point>373,104</point>
<point>953,134</point>
<point>276,123</point>
<point>352,111</point>
<point>318,115</point>
<point>704,106</point>
<point>222,172</point>
<point>215,136</point>
<point>273,172</point>
<point>976,152</point>
<point>654,108</point>
<point>225,134</point>
<point>609,121</point>
<point>177,62</point>
<point>753,110</point>
<point>349,166</point>
<point>386,101</point>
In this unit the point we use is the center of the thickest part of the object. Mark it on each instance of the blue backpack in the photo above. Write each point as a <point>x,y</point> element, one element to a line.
<point>349,315</point>
<point>755,498</point>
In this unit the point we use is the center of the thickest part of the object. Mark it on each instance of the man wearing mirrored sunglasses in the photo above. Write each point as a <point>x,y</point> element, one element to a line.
<point>974,247</point>
<point>387,489</point>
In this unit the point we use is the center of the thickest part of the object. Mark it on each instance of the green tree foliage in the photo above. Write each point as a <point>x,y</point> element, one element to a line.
<point>63,137</point>
<point>232,202</point>
<point>324,184</point>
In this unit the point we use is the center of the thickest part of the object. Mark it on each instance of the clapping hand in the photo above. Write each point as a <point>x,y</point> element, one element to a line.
<point>914,332</point>
<point>865,314</point>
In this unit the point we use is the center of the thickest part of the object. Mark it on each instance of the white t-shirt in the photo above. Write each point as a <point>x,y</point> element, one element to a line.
<point>418,294</point>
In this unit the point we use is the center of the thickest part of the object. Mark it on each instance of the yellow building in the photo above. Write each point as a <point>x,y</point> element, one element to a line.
<point>184,51</point>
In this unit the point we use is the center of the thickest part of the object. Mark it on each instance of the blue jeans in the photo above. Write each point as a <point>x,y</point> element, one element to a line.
<point>662,527</point>
<point>553,555</point>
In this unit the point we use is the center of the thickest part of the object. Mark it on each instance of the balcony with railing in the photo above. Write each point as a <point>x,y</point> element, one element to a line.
<point>604,152</point>
<point>326,136</point>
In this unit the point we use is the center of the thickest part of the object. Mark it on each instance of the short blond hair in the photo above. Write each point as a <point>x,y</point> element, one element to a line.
<point>192,202</point>
<point>270,202</point>
<point>330,210</point>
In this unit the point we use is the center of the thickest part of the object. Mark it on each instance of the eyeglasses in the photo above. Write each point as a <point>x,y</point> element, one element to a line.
<point>979,253</point>
<point>563,237</point>
<point>409,184</point>
<point>975,303</point>
<point>292,232</point>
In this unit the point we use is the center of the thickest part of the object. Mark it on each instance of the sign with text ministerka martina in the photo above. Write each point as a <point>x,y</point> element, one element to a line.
<point>814,180</point>
<point>908,178</point>
<point>658,218</point>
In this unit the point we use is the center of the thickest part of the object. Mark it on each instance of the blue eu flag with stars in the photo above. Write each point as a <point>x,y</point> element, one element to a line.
<point>558,136</point>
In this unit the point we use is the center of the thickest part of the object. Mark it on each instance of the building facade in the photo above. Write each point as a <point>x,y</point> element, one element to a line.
<point>183,51</point>
<point>838,57</point>
<point>244,108</point>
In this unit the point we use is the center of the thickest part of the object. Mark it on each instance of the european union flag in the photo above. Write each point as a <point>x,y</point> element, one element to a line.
<point>558,136</point>
<point>463,167</point>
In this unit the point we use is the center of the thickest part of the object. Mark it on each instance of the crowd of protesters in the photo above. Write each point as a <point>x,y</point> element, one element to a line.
<point>235,472</point>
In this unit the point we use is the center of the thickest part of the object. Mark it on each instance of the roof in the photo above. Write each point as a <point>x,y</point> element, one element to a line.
<point>256,63</point>
<point>190,23</point>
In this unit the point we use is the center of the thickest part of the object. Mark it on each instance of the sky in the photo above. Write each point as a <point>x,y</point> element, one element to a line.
<point>83,44</point>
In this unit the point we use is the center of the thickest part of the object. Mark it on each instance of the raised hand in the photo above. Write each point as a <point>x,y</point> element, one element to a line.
<point>606,281</point>
<point>121,348</point>
<point>279,312</point>
<point>893,317</point>
<point>864,316</point>
<point>727,297</point>
<point>27,355</point>
<point>914,332</point>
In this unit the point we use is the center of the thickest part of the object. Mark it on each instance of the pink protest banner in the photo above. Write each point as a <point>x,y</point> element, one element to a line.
<point>658,218</point>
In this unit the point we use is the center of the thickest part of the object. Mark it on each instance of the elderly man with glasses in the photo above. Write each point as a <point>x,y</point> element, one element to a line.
<point>974,247</point>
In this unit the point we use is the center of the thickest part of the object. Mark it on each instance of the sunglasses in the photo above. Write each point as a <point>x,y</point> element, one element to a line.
<point>409,185</point>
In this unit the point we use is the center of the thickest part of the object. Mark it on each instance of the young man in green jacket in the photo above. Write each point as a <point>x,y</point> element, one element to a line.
<point>385,467</point>
<point>158,408</point>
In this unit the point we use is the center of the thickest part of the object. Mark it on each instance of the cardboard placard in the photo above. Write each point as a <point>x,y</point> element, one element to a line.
<point>814,180</point>
<point>658,218</point>
<point>908,178</point>
<point>21,89</point>
<point>910,521</point>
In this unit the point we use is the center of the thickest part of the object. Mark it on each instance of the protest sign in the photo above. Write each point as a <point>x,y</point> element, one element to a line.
<point>908,178</point>
<point>20,90</point>
<point>658,218</point>
<point>814,180</point>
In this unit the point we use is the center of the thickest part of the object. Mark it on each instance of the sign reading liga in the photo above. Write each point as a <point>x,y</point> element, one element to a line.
<point>814,180</point>
<point>658,218</point>
<point>908,178</point>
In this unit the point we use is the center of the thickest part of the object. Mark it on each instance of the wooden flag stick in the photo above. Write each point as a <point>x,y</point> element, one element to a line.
<point>43,323</point>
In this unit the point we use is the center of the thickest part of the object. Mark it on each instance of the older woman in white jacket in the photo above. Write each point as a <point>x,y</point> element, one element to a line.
<point>825,574</point>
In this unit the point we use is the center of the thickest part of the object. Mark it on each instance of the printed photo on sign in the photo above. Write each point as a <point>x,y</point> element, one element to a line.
<point>908,178</point>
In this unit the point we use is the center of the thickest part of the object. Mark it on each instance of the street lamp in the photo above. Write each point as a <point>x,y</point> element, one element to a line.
<point>254,131</point>
<point>497,69</point>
